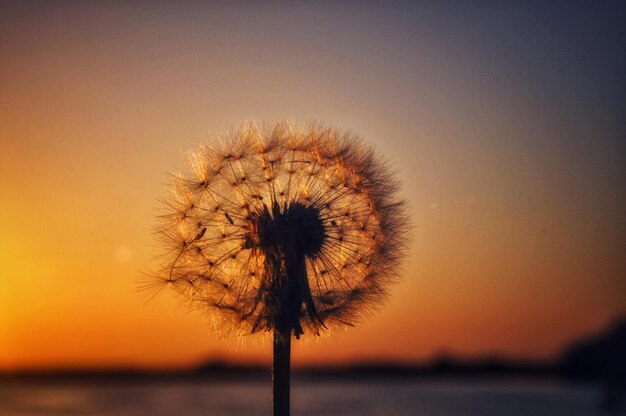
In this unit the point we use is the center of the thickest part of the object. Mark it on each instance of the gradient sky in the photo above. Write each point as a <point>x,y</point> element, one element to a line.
<point>505,122</point>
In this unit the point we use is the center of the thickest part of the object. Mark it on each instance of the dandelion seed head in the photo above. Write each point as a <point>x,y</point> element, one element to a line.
<point>286,228</point>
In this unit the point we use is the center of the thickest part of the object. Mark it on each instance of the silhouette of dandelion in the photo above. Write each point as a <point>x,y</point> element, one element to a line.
<point>289,229</point>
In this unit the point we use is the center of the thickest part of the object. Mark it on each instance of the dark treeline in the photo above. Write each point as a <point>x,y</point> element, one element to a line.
<point>598,357</point>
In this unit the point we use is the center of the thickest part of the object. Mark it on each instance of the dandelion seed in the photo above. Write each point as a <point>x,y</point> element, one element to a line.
<point>303,226</point>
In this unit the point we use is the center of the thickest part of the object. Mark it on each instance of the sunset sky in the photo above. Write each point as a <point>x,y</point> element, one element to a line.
<point>505,123</point>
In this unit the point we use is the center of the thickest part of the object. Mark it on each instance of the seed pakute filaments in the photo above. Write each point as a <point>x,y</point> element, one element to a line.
<point>286,228</point>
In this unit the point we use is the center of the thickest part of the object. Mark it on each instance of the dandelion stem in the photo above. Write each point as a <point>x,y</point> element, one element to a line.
<point>281,373</point>
<point>284,230</point>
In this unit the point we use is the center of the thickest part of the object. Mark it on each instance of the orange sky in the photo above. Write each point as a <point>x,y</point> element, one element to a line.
<point>505,130</point>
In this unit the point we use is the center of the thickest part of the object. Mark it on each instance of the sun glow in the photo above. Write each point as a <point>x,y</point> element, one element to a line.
<point>504,127</point>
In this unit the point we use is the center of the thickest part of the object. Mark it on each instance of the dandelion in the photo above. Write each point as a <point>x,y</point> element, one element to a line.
<point>287,229</point>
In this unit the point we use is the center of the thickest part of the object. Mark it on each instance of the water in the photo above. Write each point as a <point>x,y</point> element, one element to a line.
<point>366,398</point>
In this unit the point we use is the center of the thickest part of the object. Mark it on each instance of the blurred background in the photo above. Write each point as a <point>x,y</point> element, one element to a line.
<point>505,122</point>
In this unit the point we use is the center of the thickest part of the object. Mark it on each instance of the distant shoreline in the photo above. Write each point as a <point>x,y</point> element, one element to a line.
<point>224,371</point>
<point>598,357</point>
